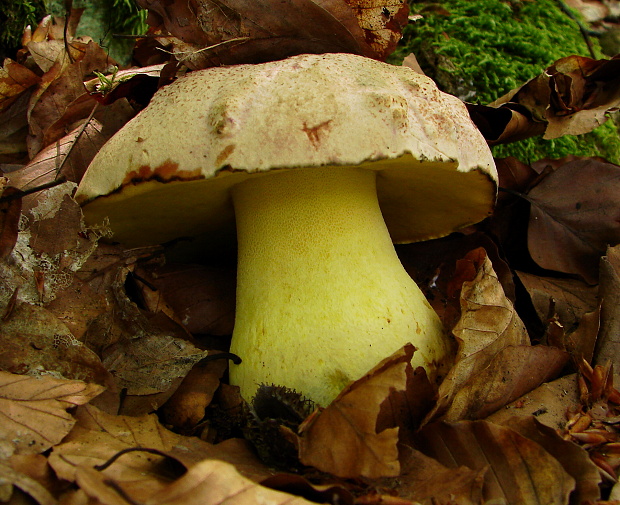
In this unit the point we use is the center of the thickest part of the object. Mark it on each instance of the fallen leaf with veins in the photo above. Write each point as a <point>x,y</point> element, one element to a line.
<point>63,85</point>
<point>34,409</point>
<point>232,32</point>
<point>36,342</point>
<point>26,484</point>
<point>608,346</point>
<point>209,482</point>
<point>519,470</point>
<point>98,436</point>
<point>574,215</point>
<point>570,299</point>
<point>342,439</point>
<point>15,79</point>
<point>426,481</point>
<point>573,458</point>
<point>487,372</point>
<point>549,403</point>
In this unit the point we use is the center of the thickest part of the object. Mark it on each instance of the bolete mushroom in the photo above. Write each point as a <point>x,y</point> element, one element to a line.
<point>324,161</point>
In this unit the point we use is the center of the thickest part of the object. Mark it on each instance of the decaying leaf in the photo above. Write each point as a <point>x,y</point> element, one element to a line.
<point>34,409</point>
<point>34,341</point>
<point>228,32</point>
<point>608,347</point>
<point>342,439</point>
<point>210,482</point>
<point>488,371</point>
<point>97,437</point>
<point>519,470</point>
<point>15,79</point>
<point>573,458</point>
<point>10,213</point>
<point>570,299</point>
<point>186,407</point>
<point>575,214</point>
<point>570,97</point>
<point>17,480</point>
<point>426,481</point>
<point>202,297</point>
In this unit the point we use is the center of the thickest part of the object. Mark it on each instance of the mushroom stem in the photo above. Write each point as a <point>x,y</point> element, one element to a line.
<point>321,294</point>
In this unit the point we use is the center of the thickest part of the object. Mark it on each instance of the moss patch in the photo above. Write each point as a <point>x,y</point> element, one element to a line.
<point>481,49</point>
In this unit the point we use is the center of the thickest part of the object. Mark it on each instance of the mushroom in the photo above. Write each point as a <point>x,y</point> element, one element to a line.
<point>324,161</point>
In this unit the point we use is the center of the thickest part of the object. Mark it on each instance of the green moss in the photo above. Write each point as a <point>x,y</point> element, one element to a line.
<point>15,15</point>
<point>485,48</point>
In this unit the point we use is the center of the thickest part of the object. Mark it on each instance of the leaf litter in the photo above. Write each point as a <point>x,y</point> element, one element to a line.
<point>74,323</point>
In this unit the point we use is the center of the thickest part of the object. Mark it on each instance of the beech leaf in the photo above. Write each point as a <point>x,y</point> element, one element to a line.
<point>342,439</point>
<point>495,363</point>
<point>34,409</point>
<point>520,470</point>
<point>575,215</point>
<point>98,436</point>
<point>608,346</point>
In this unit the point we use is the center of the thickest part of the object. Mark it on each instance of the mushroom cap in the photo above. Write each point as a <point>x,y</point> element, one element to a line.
<point>167,173</point>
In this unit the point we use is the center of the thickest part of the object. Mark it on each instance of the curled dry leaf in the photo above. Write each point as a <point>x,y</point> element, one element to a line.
<point>15,79</point>
<point>201,296</point>
<point>35,341</point>
<point>570,299</point>
<point>570,97</point>
<point>519,470</point>
<point>426,481</point>
<point>62,100</point>
<point>608,346</point>
<point>575,214</point>
<point>186,407</point>
<point>493,344</point>
<point>14,479</point>
<point>34,409</point>
<point>342,439</point>
<point>10,213</point>
<point>209,482</point>
<point>233,31</point>
<point>573,458</point>
<point>98,436</point>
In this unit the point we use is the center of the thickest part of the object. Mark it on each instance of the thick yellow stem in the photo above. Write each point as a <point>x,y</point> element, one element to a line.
<point>321,294</point>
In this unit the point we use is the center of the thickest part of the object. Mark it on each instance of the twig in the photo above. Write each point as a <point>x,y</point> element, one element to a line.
<point>584,31</point>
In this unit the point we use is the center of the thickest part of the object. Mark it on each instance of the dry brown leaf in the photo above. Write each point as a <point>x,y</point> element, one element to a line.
<point>10,213</point>
<point>519,470</point>
<point>57,103</point>
<point>201,296</point>
<point>342,439</point>
<point>15,79</point>
<point>98,436</point>
<point>34,409</point>
<point>575,214</point>
<point>549,403</point>
<point>571,97</point>
<point>570,299</point>
<point>34,341</point>
<point>209,482</point>
<point>573,458</point>
<point>212,33</point>
<point>186,407</point>
<point>608,347</point>
<point>12,479</point>
<point>512,372</point>
<point>495,363</point>
<point>426,481</point>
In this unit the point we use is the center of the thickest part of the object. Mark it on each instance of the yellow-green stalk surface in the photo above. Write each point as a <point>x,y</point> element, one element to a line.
<point>322,296</point>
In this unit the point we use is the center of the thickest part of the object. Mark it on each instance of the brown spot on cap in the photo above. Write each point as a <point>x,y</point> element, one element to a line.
<point>226,152</point>
<point>313,132</point>
<point>167,171</point>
